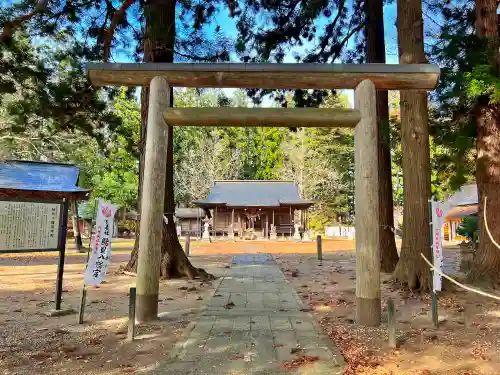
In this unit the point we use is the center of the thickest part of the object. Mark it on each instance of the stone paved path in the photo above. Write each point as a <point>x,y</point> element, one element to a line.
<point>251,325</point>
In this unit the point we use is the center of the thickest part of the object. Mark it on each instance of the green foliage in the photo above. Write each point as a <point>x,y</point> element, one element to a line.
<point>87,210</point>
<point>113,176</point>
<point>466,79</point>
<point>468,227</point>
<point>319,219</point>
<point>45,90</point>
<point>480,81</point>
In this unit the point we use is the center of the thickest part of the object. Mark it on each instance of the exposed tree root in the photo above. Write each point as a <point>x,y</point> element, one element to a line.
<point>412,272</point>
<point>174,264</point>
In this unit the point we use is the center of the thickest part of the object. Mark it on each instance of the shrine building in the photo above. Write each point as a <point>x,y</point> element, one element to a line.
<point>255,209</point>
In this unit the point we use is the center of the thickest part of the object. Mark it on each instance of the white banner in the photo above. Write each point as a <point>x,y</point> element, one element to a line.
<point>100,257</point>
<point>439,211</point>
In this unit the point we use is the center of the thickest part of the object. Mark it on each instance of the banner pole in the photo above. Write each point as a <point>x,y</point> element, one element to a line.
<point>83,298</point>
<point>434,307</point>
<point>62,253</point>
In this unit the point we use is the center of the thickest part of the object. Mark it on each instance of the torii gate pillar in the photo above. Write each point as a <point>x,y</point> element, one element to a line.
<point>368,307</point>
<point>152,199</point>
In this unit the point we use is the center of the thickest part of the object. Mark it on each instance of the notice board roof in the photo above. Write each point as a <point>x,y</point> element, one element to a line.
<point>40,180</point>
<point>267,76</point>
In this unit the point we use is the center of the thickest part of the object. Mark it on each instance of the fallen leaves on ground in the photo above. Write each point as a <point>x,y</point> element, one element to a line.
<point>448,350</point>
<point>298,362</point>
<point>129,370</point>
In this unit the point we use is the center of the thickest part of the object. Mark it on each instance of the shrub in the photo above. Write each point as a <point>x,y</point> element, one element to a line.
<point>468,227</point>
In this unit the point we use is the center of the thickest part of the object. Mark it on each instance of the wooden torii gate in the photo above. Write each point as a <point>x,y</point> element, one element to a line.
<point>364,78</point>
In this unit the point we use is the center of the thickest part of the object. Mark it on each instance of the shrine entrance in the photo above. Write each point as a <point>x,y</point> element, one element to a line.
<point>364,78</point>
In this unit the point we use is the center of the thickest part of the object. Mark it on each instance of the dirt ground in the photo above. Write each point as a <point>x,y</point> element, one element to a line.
<point>274,247</point>
<point>32,343</point>
<point>466,342</point>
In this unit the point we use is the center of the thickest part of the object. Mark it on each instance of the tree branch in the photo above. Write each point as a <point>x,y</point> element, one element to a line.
<point>339,13</point>
<point>117,17</point>
<point>346,39</point>
<point>25,140</point>
<point>9,27</point>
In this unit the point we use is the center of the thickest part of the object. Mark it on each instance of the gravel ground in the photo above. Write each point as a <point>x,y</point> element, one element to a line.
<point>466,342</point>
<point>32,343</point>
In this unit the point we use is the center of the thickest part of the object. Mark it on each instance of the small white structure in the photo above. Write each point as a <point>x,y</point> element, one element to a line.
<point>206,234</point>
<point>296,233</point>
<point>306,237</point>
<point>337,231</point>
<point>272,234</point>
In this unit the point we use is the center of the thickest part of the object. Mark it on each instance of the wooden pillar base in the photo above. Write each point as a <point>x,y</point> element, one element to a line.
<point>146,308</point>
<point>368,311</point>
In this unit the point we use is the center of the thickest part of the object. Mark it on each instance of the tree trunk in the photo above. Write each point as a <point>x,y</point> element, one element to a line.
<point>486,264</point>
<point>132,263</point>
<point>174,261</point>
<point>159,40</point>
<point>376,54</point>
<point>411,268</point>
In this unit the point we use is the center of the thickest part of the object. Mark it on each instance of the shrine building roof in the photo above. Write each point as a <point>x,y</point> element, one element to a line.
<point>254,193</point>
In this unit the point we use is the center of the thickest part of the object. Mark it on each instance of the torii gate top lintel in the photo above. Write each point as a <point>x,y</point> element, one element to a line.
<point>267,76</point>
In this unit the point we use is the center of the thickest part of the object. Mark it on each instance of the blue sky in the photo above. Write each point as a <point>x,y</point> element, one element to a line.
<point>228,27</point>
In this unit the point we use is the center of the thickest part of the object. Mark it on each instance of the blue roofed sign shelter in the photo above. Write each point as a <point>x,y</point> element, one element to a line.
<point>34,201</point>
<point>39,180</point>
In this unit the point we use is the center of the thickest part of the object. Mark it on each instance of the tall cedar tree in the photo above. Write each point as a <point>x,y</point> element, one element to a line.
<point>105,27</point>
<point>486,265</point>
<point>158,46</point>
<point>375,48</point>
<point>465,121</point>
<point>411,268</point>
<point>48,79</point>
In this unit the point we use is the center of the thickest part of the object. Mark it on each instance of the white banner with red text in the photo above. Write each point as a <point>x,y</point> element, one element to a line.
<point>100,257</point>
<point>438,210</point>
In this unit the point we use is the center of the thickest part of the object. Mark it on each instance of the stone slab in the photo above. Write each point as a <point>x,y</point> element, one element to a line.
<point>61,312</point>
<point>256,335</point>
